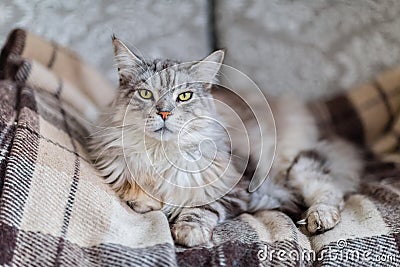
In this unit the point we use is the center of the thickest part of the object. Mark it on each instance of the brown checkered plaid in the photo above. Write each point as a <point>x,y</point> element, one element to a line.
<point>369,115</point>
<point>55,209</point>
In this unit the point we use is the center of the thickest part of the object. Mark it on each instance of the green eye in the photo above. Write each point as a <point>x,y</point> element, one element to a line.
<point>146,94</point>
<point>185,96</point>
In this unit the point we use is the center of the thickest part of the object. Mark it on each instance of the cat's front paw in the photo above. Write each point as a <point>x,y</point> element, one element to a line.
<point>143,207</point>
<point>190,234</point>
<point>320,218</point>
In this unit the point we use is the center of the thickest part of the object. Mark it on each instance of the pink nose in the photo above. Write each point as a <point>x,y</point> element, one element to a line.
<point>164,114</point>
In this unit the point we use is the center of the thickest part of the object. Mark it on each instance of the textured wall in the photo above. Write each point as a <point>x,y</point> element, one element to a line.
<point>175,29</point>
<point>310,47</point>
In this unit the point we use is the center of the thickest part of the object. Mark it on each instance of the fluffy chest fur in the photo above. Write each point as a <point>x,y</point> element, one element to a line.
<point>188,175</point>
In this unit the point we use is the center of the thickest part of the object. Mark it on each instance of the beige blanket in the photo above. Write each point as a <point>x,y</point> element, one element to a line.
<point>56,210</point>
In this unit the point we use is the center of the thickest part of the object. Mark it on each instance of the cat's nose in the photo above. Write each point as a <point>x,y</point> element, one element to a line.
<point>164,114</point>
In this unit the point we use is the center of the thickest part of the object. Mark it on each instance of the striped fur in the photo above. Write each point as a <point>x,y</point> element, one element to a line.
<point>154,163</point>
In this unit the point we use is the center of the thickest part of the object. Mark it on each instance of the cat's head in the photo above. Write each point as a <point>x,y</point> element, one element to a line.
<point>166,98</point>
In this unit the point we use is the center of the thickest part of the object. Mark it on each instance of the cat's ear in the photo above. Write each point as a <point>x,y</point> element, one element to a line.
<point>206,70</point>
<point>128,63</point>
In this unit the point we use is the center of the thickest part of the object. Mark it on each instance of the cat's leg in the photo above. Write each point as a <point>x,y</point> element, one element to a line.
<point>322,177</point>
<point>137,199</point>
<point>194,226</point>
<point>314,184</point>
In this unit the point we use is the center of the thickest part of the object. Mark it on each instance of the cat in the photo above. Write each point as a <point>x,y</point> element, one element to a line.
<point>164,146</point>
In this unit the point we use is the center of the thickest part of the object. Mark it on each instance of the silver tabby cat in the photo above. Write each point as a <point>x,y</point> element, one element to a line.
<point>164,146</point>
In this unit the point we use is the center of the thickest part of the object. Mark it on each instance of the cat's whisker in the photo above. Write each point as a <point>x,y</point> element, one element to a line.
<point>232,127</point>
<point>111,127</point>
<point>232,154</point>
<point>187,131</point>
<point>103,134</point>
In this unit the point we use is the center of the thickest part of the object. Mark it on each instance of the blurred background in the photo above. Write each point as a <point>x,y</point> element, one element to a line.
<point>313,48</point>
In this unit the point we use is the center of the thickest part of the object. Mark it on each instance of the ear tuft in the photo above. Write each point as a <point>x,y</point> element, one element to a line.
<point>206,70</point>
<point>216,56</point>
<point>128,63</point>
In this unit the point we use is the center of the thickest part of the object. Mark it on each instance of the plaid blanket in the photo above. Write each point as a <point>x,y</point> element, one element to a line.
<point>56,210</point>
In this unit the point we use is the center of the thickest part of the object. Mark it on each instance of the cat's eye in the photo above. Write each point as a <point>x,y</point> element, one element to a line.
<point>145,94</point>
<point>185,96</point>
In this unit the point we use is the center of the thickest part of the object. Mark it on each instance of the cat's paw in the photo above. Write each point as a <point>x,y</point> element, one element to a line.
<point>190,234</point>
<point>143,207</point>
<point>320,218</point>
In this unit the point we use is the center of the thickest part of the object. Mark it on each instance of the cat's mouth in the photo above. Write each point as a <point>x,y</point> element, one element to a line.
<point>163,129</point>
